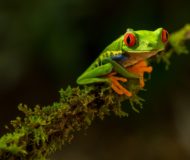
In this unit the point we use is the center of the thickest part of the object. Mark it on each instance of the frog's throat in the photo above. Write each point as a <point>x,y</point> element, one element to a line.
<point>135,57</point>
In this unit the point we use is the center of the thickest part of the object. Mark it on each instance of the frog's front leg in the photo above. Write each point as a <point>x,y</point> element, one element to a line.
<point>139,69</point>
<point>121,69</point>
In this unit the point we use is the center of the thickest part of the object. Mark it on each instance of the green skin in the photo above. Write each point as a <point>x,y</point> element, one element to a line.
<point>148,44</point>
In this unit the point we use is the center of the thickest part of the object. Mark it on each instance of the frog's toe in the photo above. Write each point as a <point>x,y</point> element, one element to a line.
<point>142,84</point>
<point>147,69</point>
<point>120,79</point>
<point>116,89</point>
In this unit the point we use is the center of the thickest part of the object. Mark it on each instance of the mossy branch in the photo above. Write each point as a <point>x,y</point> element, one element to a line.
<point>43,130</point>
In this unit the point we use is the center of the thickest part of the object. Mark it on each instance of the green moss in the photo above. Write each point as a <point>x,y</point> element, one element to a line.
<point>10,143</point>
<point>177,40</point>
<point>176,45</point>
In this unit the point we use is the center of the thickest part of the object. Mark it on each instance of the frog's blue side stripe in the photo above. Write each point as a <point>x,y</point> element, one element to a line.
<point>119,57</point>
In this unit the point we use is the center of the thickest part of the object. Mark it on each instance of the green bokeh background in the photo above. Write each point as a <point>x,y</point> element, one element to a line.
<point>46,45</point>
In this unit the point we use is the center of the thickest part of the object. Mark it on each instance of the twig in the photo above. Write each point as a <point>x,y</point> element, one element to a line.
<point>43,130</point>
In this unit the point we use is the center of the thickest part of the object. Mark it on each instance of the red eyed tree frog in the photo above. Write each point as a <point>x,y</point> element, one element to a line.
<point>125,58</point>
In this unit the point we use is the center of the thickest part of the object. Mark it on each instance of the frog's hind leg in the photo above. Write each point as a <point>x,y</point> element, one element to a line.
<point>95,75</point>
<point>103,74</point>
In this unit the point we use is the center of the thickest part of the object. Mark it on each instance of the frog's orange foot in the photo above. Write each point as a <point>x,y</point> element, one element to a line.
<point>117,87</point>
<point>139,69</point>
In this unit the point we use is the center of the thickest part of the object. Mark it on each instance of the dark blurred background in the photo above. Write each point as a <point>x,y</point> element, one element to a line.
<point>47,44</point>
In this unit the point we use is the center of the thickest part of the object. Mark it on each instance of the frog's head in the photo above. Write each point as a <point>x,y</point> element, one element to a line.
<point>143,44</point>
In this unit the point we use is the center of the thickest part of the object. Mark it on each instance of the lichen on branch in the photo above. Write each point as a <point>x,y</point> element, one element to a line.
<point>43,130</point>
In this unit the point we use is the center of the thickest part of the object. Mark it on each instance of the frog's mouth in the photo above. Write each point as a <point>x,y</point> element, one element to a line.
<point>135,57</point>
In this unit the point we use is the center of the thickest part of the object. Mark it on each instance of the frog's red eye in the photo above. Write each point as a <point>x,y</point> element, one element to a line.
<point>165,35</point>
<point>129,39</point>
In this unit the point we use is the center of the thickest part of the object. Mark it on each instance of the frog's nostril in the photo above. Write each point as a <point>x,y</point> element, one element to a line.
<point>150,44</point>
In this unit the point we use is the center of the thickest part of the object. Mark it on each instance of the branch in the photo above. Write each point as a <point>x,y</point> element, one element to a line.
<point>43,130</point>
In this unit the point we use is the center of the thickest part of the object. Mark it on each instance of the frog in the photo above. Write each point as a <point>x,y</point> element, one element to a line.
<point>126,58</point>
